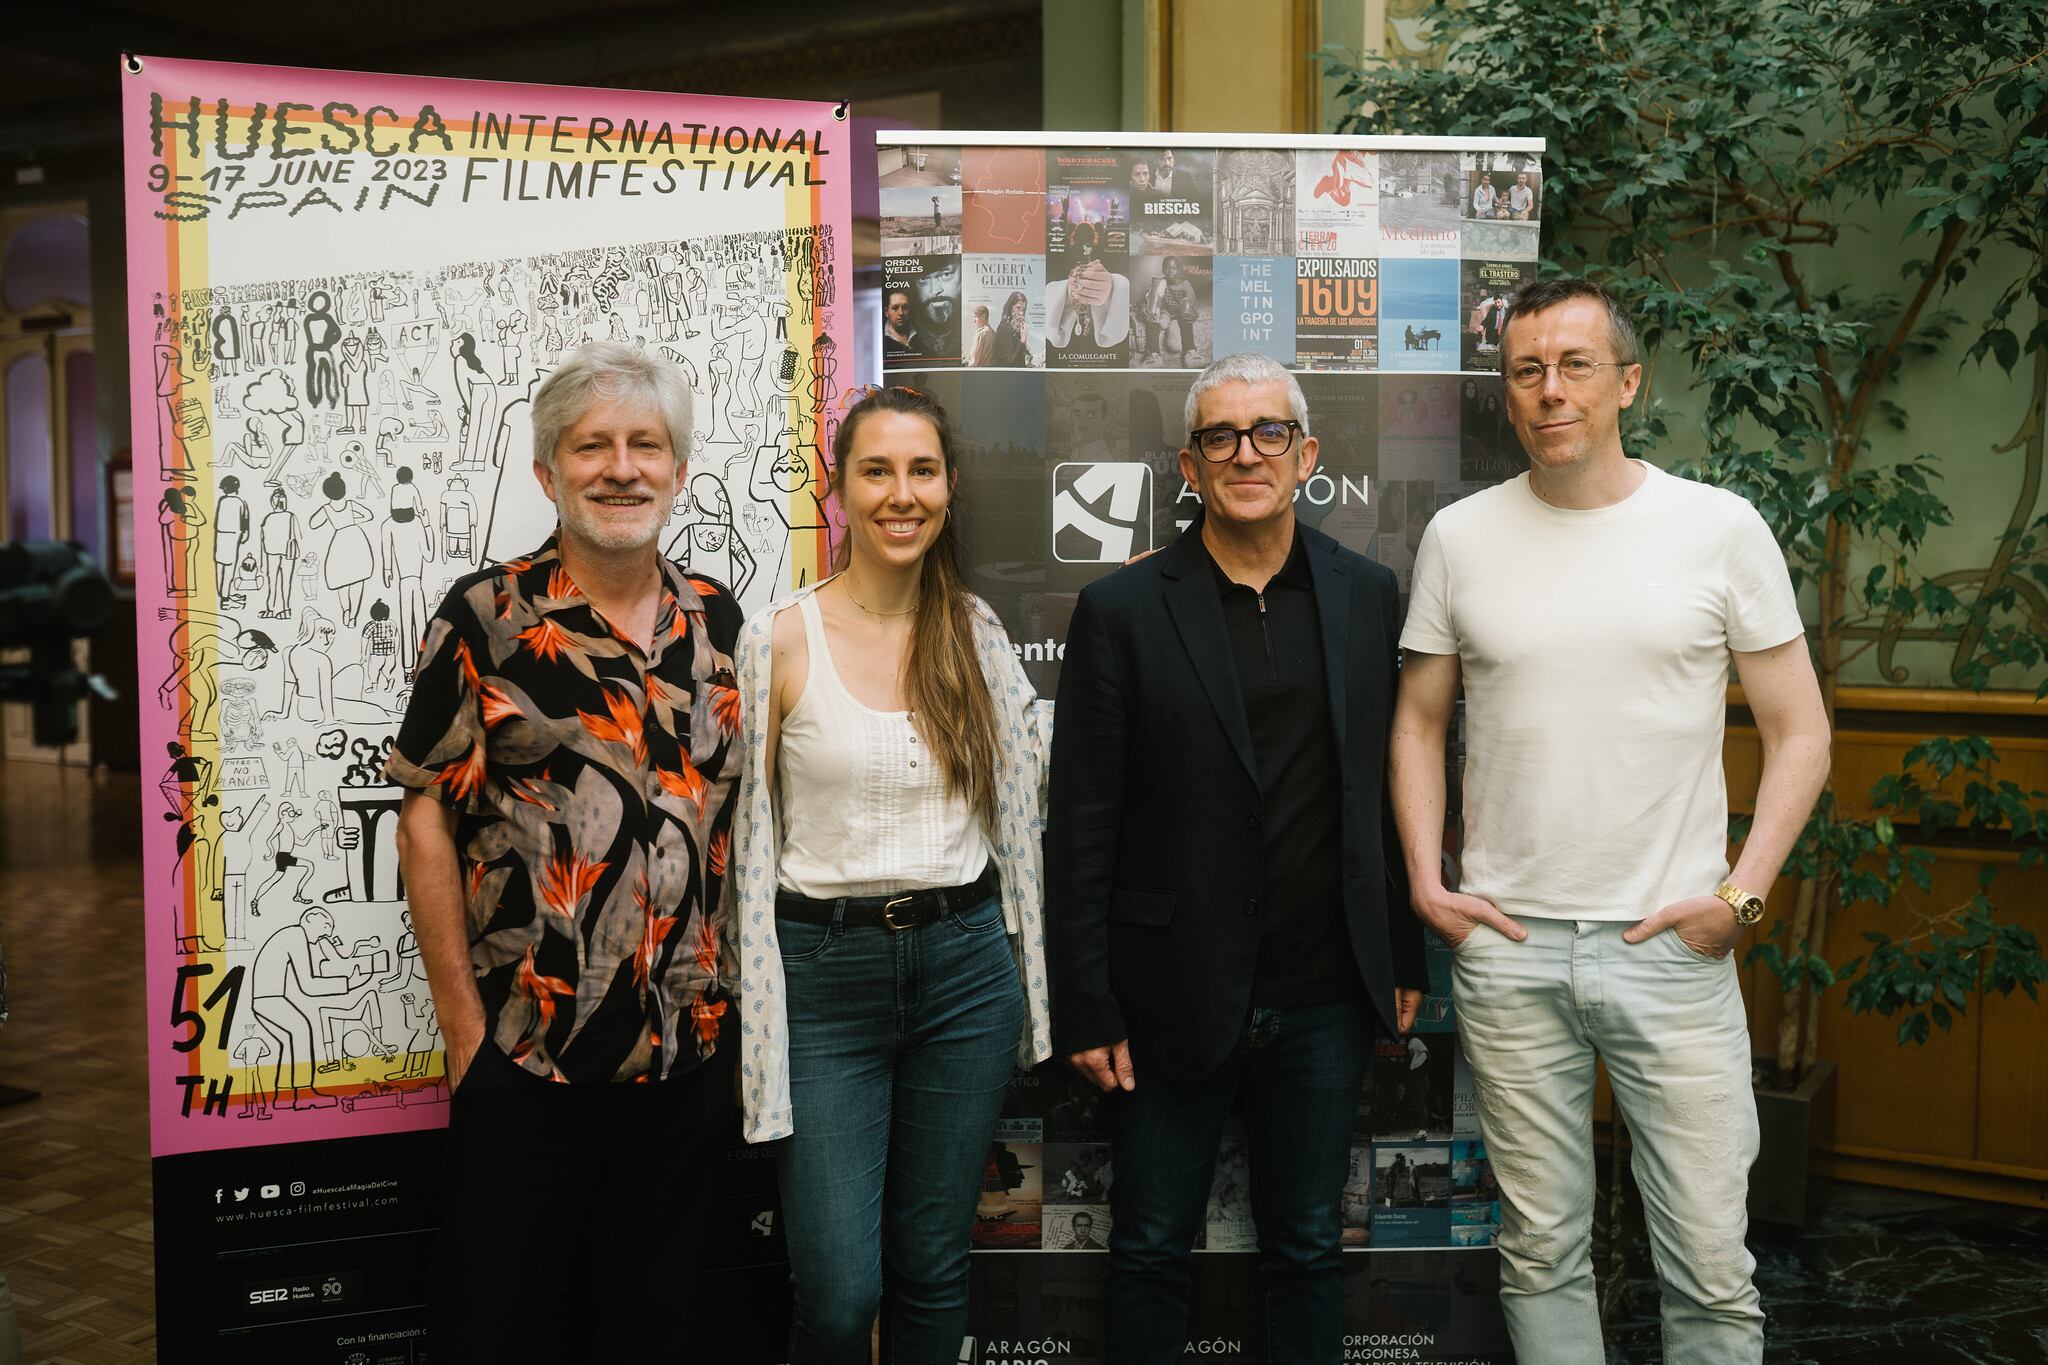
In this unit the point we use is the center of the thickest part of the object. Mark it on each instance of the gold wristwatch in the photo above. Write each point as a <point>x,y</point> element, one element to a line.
<point>1748,909</point>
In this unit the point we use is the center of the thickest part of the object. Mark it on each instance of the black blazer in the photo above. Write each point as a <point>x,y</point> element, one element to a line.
<point>1153,855</point>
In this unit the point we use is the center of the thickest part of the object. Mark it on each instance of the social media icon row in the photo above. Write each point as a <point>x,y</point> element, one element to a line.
<point>262,1192</point>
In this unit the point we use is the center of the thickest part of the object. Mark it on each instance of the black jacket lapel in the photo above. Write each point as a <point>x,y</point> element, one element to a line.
<point>1197,613</point>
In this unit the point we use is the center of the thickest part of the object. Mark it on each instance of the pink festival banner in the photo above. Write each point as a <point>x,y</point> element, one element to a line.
<point>343,292</point>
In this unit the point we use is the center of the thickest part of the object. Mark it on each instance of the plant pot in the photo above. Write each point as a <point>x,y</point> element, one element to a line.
<point>1790,1123</point>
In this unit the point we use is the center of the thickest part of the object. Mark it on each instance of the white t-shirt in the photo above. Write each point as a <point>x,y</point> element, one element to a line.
<point>1595,652</point>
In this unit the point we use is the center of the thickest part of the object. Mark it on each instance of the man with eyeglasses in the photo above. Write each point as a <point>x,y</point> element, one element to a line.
<point>1591,609</point>
<point>1225,899</point>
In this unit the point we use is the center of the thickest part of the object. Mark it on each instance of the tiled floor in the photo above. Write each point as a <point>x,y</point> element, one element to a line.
<point>1886,1277</point>
<point>75,1233</point>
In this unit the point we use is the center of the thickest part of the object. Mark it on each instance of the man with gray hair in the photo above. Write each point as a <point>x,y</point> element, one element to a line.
<point>570,749</point>
<point>1226,903</point>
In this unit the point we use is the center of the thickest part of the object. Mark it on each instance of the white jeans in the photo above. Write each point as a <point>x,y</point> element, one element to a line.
<point>1670,1026</point>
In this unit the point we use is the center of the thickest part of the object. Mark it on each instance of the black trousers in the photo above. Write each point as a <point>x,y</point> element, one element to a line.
<point>574,1217</point>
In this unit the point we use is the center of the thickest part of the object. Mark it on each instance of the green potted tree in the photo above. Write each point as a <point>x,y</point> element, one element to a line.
<point>1733,169</point>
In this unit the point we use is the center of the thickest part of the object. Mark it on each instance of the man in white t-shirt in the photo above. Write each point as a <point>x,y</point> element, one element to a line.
<point>1521,198</point>
<point>1591,608</point>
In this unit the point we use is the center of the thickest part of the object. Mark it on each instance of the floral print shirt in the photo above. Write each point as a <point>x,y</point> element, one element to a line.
<point>593,786</point>
<point>753,957</point>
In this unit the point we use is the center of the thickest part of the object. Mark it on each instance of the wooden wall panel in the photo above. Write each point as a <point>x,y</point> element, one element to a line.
<point>1916,1100</point>
<point>2012,1066</point>
<point>1967,1112</point>
<point>1974,1101</point>
<point>1864,756</point>
<point>1233,67</point>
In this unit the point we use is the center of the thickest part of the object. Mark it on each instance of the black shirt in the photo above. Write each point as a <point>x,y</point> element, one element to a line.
<point>1276,642</point>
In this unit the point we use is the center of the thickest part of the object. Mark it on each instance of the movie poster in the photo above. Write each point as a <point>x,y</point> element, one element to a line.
<point>1004,311</point>
<point>1411,1194</point>
<point>1004,200</point>
<point>1488,452</point>
<point>1336,313</point>
<point>1009,1214</point>
<point>921,220</point>
<point>1172,202</point>
<point>1475,1196</point>
<point>1228,1224</point>
<point>1252,309</point>
<point>1486,288</point>
<point>1413,1080</point>
<point>1172,311</point>
<point>921,310</point>
<point>1337,203</point>
<point>1255,203</point>
<point>1418,427</point>
<point>344,290</point>
<point>1420,204</point>
<point>1502,205</point>
<point>1087,206</point>
<point>1348,261</point>
<point>1420,319</point>
<point>1087,261</point>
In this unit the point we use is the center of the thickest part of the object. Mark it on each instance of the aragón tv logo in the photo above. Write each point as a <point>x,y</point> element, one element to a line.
<point>1101,512</point>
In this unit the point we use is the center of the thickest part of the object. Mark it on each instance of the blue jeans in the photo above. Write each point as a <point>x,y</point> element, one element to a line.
<point>901,1046</point>
<point>1670,1026</point>
<point>1300,1068</point>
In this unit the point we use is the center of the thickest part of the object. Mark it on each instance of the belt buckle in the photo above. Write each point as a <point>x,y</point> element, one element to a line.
<point>889,914</point>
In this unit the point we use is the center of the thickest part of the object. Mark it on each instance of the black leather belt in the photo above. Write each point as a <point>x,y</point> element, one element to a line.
<point>904,910</point>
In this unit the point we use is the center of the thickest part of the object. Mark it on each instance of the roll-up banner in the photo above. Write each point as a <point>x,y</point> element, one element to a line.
<point>344,290</point>
<point>1059,297</point>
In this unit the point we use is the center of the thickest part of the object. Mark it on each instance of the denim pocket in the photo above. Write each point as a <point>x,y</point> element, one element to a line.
<point>1695,954</point>
<point>801,940</point>
<point>980,917</point>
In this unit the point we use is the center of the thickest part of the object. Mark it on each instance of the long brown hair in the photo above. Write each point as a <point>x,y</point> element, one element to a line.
<point>955,713</point>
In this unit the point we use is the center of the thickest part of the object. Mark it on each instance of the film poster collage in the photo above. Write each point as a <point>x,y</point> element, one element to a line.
<point>1167,257</point>
<point>1400,264</point>
<point>1419,1174</point>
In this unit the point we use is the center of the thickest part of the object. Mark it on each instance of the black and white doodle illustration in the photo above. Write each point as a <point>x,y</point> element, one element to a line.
<point>373,443</point>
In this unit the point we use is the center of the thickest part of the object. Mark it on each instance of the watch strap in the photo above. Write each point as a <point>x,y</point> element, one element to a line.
<point>1748,908</point>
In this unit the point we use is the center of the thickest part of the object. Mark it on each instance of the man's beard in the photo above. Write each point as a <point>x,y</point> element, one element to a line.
<point>595,528</point>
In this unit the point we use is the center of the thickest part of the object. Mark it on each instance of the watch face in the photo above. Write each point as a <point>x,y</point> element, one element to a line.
<point>1750,910</point>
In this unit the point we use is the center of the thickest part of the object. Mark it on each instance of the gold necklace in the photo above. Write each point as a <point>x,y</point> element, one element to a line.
<point>870,610</point>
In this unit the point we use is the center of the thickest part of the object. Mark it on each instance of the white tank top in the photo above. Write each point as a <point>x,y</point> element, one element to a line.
<point>864,804</point>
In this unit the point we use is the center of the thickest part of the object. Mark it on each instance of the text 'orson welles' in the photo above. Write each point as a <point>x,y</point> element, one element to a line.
<point>294,157</point>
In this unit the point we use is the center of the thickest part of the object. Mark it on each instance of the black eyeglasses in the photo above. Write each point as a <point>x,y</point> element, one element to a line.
<point>1269,439</point>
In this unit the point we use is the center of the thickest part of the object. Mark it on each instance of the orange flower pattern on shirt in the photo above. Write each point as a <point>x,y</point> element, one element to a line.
<point>725,704</point>
<point>546,639</point>
<point>621,726</point>
<point>465,776</point>
<point>688,784</point>
<point>592,783</point>
<point>496,705</point>
<point>542,989</point>
<point>566,880</point>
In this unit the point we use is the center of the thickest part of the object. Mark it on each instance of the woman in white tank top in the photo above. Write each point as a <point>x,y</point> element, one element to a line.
<point>888,948</point>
